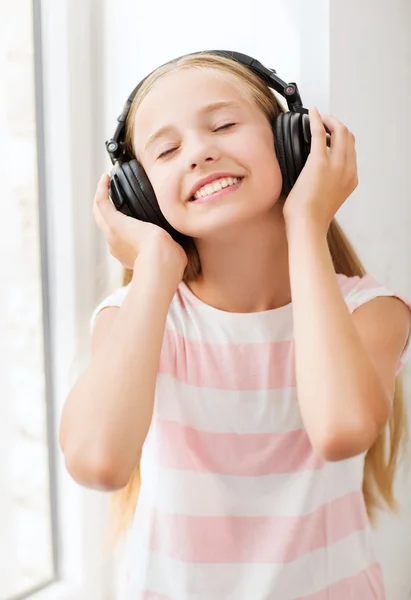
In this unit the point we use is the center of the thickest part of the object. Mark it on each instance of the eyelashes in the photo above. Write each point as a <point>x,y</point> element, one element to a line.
<point>166,153</point>
<point>221,128</point>
<point>226,126</point>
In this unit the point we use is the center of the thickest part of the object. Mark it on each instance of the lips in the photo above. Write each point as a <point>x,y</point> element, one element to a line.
<point>209,179</point>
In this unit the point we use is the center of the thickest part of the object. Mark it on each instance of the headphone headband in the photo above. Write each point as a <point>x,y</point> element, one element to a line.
<point>115,146</point>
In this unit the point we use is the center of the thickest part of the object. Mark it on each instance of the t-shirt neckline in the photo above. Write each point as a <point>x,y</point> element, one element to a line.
<point>195,300</point>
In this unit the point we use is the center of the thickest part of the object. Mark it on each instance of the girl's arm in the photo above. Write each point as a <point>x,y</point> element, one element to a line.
<point>345,365</point>
<point>107,414</point>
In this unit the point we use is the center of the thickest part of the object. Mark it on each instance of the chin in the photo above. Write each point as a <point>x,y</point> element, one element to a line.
<point>221,226</point>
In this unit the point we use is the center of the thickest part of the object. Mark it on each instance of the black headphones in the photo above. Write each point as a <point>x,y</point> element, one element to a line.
<point>130,188</point>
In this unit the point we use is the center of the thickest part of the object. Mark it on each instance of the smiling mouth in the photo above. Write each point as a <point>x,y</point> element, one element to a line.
<point>214,188</point>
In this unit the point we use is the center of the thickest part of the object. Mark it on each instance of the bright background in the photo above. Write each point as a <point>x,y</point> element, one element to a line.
<point>66,68</point>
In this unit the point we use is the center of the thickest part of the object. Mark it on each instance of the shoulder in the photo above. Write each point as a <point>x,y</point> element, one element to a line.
<point>112,301</point>
<point>359,291</point>
<point>385,317</point>
<point>382,317</point>
<point>102,325</point>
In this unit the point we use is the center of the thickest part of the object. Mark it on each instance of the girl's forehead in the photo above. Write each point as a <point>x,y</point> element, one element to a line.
<point>181,95</point>
<point>184,91</point>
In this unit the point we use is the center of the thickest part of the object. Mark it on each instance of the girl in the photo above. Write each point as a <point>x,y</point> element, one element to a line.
<point>249,377</point>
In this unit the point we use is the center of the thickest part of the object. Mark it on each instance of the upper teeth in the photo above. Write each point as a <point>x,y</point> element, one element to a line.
<point>215,186</point>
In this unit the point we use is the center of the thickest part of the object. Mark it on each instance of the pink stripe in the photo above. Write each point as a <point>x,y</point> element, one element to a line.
<point>366,283</point>
<point>370,580</point>
<point>359,586</point>
<point>263,366</point>
<point>348,284</point>
<point>179,447</point>
<point>249,539</point>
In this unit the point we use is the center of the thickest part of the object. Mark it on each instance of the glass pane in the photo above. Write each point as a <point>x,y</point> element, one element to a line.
<point>26,552</point>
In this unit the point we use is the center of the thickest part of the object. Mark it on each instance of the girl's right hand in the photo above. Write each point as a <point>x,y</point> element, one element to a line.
<point>128,238</point>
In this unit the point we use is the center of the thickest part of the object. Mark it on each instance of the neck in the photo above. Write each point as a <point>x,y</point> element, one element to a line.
<point>246,270</point>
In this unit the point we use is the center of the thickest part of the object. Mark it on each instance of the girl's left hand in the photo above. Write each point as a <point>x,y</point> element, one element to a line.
<point>329,175</point>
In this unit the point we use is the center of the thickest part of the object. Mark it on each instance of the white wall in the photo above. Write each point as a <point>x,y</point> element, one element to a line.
<point>338,53</point>
<point>354,57</point>
<point>141,36</point>
<point>370,88</point>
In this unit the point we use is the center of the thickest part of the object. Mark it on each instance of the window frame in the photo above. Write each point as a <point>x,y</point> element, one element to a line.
<point>67,83</point>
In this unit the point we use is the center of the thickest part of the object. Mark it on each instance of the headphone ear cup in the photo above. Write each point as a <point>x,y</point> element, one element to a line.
<point>144,192</point>
<point>286,124</point>
<point>141,207</point>
<point>293,143</point>
<point>133,195</point>
<point>280,151</point>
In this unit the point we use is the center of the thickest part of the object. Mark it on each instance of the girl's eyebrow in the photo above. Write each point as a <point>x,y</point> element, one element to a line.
<point>208,109</point>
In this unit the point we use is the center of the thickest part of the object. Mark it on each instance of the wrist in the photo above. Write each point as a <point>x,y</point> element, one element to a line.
<point>159,268</point>
<point>304,224</point>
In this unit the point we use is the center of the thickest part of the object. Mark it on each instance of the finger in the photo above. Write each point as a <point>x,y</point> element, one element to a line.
<point>344,154</point>
<point>318,133</point>
<point>339,139</point>
<point>351,158</point>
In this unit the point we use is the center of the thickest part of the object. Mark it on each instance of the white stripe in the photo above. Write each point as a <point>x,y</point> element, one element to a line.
<point>306,575</point>
<point>208,325</point>
<point>358,297</point>
<point>227,411</point>
<point>115,299</point>
<point>209,494</point>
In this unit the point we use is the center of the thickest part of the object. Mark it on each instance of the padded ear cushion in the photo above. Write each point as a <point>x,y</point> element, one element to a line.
<point>145,194</point>
<point>288,146</point>
<point>296,144</point>
<point>292,143</point>
<point>300,141</point>
<point>279,148</point>
<point>133,194</point>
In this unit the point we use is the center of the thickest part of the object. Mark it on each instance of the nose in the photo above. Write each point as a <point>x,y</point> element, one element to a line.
<point>200,151</point>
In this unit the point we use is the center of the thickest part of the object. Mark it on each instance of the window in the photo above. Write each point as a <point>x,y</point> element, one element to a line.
<point>52,274</point>
<point>27,542</point>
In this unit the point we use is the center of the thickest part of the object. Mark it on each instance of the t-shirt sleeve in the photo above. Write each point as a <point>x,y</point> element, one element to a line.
<point>359,290</point>
<point>114,299</point>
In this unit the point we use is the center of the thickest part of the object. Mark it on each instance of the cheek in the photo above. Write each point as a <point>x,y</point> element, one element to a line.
<point>265,166</point>
<point>166,189</point>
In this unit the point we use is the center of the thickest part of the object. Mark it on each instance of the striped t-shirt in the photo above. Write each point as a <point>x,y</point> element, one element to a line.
<point>234,504</point>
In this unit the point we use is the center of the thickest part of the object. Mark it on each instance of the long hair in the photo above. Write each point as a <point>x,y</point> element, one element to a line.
<point>382,458</point>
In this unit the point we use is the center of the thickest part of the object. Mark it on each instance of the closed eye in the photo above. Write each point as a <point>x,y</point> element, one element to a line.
<point>170,150</point>
<point>166,152</point>
<point>226,126</point>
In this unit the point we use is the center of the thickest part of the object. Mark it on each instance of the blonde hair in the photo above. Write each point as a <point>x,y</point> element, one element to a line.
<point>382,458</point>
